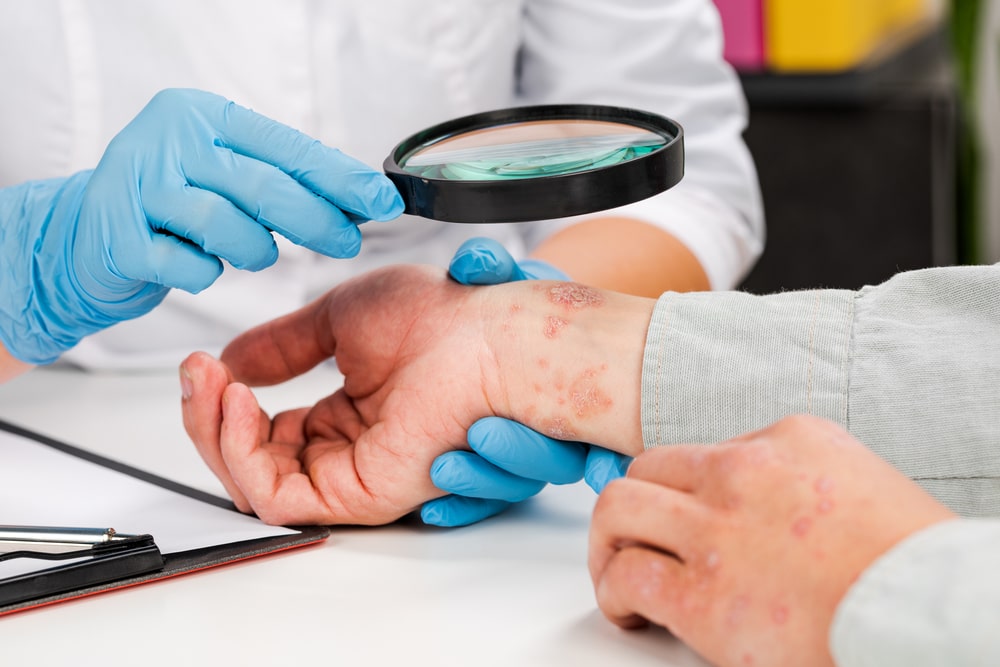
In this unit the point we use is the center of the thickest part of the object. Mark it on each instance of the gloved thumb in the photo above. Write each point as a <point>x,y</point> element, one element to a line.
<point>603,467</point>
<point>483,261</point>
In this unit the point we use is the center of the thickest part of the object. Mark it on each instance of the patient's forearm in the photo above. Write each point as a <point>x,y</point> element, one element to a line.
<point>569,362</point>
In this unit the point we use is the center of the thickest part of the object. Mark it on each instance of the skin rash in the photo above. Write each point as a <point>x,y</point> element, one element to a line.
<point>583,396</point>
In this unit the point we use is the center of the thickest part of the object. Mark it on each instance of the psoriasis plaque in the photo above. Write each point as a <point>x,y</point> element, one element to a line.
<point>558,428</point>
<point>553,325</point>
<point>587,396</point>
<point>575,296</point>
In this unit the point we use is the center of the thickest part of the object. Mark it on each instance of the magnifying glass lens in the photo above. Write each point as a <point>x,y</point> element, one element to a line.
<point>530,149</point>
<point>536,163</point>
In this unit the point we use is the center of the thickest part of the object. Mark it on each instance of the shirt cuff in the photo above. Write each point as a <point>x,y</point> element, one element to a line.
<point>720,364</point>
<point>933,599</point>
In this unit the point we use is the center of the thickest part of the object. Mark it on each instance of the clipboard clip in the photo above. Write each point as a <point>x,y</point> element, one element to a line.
<point>58,543</point>
<point>89,559</point>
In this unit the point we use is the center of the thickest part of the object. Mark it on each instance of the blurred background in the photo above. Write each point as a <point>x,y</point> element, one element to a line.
<point>875,125</point>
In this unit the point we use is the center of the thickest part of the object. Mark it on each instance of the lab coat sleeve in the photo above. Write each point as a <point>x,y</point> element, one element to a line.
<point>933,599</point>
<point>910,367</point>
<point>663,56</point>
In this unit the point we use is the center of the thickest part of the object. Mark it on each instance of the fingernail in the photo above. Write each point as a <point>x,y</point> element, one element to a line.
<point>187,386</point>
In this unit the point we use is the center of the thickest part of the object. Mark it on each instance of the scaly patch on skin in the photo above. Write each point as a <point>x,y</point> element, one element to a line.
<point>553,325</point>
<point>575,296</point>
<point>586,395</point>
<point>558,428</point>
<point>507,326</point>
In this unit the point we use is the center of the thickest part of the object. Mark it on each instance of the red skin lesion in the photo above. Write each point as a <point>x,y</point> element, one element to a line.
<point>779,615</point>
<point>583,395</point>
<point>558,428</point>
<point>575,296</point>
<point>553,325</point>
<point>586,394</point>
<point>801,526</point>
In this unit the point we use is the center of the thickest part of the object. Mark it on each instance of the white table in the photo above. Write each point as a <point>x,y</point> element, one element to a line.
<point>513,590</point>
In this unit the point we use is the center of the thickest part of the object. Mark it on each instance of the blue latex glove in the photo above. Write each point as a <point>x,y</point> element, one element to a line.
<point>193,180</point>
<point>482,261</point>
<point>509,462</point>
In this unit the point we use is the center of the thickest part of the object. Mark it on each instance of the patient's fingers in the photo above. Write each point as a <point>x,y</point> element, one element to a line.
<point>277,494</point>
<point>640,585</point>
<point>652,555</point>
<point>203,381</point>
<point>681,467</point>
<point>281,349</point>
<point>635,512</point>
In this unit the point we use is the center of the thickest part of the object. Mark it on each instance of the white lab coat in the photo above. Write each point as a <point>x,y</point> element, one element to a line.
<point>362,75</point>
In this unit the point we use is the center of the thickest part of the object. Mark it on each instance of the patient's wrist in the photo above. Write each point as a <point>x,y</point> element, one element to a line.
<point>569,361</point>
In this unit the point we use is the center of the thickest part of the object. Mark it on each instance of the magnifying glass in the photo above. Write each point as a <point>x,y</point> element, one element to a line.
<point>536,163</point>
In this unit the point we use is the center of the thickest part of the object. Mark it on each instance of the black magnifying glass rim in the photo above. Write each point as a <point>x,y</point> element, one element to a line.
<point>539,197</point>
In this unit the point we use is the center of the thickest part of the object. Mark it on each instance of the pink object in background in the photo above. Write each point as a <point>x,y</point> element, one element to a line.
<point>743,26</point>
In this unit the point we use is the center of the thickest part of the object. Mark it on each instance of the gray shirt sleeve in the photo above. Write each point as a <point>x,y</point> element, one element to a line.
<point>910,367</point>
<point>934,599</point>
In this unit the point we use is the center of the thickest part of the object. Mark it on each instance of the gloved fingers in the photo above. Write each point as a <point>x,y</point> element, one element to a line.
<point>169,261</point>
<point>453,511</point>
<point>342,180</point>
<point>213,224</point>
<point>483,261</point>
<point>527,453</point>
<point>272,198</point>
<point>536,269</point>
<point>468,474</point>
<point>604,466</point>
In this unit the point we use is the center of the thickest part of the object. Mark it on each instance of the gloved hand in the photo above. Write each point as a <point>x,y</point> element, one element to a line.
<point>194,179</point>
<point>483,261</point>
<point>509,462</point>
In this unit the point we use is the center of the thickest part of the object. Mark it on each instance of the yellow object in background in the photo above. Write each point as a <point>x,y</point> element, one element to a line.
<point>836,35</point>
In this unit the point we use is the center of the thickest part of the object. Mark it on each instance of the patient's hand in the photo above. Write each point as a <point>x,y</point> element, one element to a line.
<point>423,358</point>
<point>413,361</point>
<point>744,550</point>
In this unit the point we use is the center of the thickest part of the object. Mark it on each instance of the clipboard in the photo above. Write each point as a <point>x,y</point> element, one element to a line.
<point>148,559</point>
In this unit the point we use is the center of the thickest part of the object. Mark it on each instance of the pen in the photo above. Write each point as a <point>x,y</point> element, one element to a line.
<point>53,540</point>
